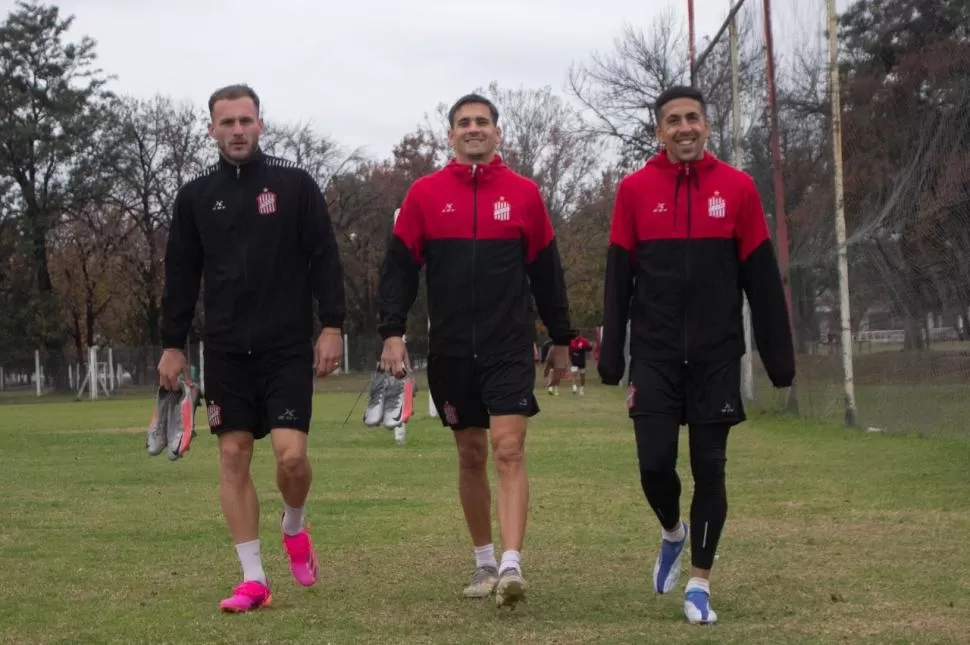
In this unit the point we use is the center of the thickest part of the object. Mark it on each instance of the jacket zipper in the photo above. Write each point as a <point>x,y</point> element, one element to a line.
<point>474,256</point>
<point>687,260</point>
<point>245,245</point>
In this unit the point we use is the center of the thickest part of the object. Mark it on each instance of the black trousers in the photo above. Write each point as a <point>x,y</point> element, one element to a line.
<point>657,443</point>
<point>707,398</point>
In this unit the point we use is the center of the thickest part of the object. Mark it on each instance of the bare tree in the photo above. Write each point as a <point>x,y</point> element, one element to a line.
<point>619,89</point>
<point>307,148</point>
<point>158,146</point>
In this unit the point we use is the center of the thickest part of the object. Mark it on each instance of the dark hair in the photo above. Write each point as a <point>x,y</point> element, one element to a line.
<point>678,92</point>
<point>472,98</point>
<point>230,92</point>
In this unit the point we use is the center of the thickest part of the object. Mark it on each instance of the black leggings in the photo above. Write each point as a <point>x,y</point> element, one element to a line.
<point>657,439</point>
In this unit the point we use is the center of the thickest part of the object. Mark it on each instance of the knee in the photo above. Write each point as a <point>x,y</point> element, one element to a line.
<point>658,461</point>
<point>708,469</point>
<point>472,455</point>
<point>509,454</point>
<point>235,457</point>
<point>291,463</point>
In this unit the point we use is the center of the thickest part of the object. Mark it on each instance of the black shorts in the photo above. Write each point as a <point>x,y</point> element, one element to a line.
<point>467,391</point>
<point>694,394</point>
<point>259,392</point>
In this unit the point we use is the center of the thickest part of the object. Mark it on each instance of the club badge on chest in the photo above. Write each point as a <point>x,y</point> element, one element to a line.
<point>266,202</point>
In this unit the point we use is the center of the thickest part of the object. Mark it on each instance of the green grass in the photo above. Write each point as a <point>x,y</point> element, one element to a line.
<point>833,536</point>
<point>922,393</point>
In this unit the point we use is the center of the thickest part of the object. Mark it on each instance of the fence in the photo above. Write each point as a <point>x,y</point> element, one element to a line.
<point>862,157</point>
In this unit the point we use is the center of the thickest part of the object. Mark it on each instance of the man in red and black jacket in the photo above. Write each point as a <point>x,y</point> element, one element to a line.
<point>483,234</point>
<point>688,234</point>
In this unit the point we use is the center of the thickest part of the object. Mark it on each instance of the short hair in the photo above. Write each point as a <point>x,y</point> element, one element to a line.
<point>472,98</point>
<point>678,92</point>
<point>230,92</point>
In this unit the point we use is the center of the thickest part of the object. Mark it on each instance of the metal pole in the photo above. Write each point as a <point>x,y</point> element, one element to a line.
<point>781,222</point>
<point>93,372</point>
<point>38,377</point>
<point>691,46</point>
<point>747,363</point>
<point>844,306</point>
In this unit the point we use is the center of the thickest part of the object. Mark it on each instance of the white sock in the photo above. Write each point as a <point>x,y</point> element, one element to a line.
<point>699,583</point>
<point>292,520</point>
<point>511,560</point>
<point>677,535</point>
<point>485,556</point>
<point>252,564</point>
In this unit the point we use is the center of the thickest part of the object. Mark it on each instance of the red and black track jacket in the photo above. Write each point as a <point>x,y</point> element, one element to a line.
<point>685,239</point>
<point>484,235</point>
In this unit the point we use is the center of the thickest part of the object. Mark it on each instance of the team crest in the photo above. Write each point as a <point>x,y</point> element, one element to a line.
<point>214,412</point>
<point>503,210</point>
<point>451,414</point>
<point>716,206</point>
<point>266,202</point>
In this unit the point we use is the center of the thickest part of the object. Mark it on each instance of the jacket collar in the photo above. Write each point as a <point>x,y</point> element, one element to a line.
<point>245,168</point>
<point>662,162</point>
<point>483,172</point>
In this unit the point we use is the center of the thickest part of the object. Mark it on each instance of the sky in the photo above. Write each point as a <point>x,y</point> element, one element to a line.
<point>364,72</point>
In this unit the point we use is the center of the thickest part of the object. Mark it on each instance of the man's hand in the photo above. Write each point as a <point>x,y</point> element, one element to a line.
<point>328,351</point>
<point>559,358</point>
<point>170,366</point>
<point>394,357</point>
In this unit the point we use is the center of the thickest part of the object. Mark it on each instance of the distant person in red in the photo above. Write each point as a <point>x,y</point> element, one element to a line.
<point>579,347</point>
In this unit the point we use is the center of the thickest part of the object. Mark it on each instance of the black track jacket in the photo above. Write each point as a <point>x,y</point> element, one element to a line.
<point>484,235</point>
<point>685,239</point>
<point>260,235</point>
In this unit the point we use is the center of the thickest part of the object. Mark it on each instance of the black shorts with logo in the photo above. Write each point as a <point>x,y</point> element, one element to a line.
<point>694,394</point>
<point>466,391</point>
<point>259,392</point>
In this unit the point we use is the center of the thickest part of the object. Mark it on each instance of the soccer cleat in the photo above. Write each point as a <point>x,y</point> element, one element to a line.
<point>482,583</point>
<point>510,589</point>
<point>157,439</point>
<point>181,422</point>
<point>666,570</point>
<point>248,596</point>
<point>374,412</point>
<point>303,559</point>
<point>398,401</point>
<point>697,607</point>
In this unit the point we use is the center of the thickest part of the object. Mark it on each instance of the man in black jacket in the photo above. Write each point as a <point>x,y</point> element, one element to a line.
<point>487,244</point>
<point>688,233</point>
<point>257,229</point>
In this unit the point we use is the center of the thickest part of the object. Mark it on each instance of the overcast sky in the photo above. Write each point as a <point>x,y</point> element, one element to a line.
<point>363,71</point>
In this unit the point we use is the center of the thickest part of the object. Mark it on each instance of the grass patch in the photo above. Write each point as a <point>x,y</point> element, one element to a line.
<point>833,536</point>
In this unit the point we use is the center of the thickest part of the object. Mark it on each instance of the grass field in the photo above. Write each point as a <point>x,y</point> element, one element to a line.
<point>833,536</point>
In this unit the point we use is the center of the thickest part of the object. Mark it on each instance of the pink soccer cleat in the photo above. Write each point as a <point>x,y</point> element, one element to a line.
<point>248,596</point>
<point>303,559</point>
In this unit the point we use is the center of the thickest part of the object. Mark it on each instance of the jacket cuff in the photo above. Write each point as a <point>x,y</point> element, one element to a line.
<point>336,322</point>
<point>390,331</point>
<point>563,337</point>
<point>783,380</point>
<point>172,342</point>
